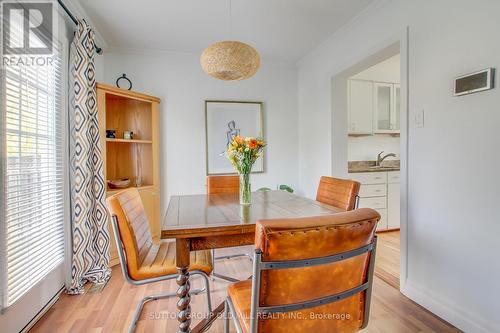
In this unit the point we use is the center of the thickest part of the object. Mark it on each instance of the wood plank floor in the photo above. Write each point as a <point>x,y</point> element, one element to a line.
<point>112,310</point>
<point>388,255</point>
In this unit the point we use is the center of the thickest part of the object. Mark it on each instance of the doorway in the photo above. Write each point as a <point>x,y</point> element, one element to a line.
<point>369,122</point>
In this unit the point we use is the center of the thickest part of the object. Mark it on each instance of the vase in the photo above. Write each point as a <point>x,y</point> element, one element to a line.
<point>245,189</point>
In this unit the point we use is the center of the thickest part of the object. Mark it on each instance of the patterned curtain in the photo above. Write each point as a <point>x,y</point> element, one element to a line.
<point>89,234</point>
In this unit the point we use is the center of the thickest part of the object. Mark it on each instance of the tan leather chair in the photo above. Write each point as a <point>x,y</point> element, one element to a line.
<point>142,261</point>
<point>223,184</point>
<point>310,275</point>
<point>341,193</point>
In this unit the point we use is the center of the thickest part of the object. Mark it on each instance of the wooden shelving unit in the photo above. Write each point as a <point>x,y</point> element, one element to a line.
<point>128,140</point>
<point>137,158</point>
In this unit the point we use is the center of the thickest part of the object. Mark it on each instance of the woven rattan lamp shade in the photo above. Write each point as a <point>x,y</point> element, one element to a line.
<point>230,60</point>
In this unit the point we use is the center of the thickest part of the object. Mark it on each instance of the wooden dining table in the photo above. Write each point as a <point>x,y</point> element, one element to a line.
<point>203,222</point>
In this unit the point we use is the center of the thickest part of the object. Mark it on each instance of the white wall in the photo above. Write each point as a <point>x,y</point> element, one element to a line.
<point>453,162</point>
<point>183,87</point>
<point>385,71</point>
<point>366,148</point>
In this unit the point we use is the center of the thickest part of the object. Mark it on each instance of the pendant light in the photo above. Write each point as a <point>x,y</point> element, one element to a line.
<point>230,60</point>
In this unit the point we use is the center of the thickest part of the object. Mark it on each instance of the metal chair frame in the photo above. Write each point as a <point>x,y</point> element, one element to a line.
<point>140,306</point>
<point>229,256</point>
<point>256,311</point>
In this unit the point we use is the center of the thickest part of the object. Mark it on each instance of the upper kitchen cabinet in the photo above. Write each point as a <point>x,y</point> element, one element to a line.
<point>386,108</point>
<point>397,108</point>
<point>360,106</point>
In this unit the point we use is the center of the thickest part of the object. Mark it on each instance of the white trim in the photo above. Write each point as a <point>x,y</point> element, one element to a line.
<point>404,151</point>
<point>68,236</point>
<point>3,236</point>
<point>459,316</point>
<point>42,312</point>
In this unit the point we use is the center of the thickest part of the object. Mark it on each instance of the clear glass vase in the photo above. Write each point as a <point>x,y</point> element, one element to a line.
<point>245,189</point>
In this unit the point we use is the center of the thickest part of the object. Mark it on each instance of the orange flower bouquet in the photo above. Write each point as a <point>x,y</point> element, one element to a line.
<point>242,153</point>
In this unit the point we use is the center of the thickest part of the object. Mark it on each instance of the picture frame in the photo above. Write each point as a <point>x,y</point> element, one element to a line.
<point>223,121</point>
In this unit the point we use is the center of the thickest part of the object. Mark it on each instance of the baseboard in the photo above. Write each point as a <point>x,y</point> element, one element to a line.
<point>42,312</point>
<point>457,316</point>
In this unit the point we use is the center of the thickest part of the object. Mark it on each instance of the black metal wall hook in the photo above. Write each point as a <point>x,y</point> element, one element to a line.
<point>124,76</point>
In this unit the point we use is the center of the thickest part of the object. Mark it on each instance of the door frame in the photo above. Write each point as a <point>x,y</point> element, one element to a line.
<point>399,43</point>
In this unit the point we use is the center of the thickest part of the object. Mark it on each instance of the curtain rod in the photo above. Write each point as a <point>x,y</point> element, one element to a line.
<point>73,18</point>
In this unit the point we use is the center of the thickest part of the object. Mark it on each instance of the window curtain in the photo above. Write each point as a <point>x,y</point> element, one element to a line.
<point>89,235</point>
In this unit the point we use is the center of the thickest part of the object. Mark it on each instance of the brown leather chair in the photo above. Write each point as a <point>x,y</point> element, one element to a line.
<point>223,184</point>
<point>310,275</point>
<point>341,193</point>
<point>142,261</point>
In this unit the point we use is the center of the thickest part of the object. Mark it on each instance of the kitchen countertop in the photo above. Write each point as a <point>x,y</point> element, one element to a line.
<point>370,166</point>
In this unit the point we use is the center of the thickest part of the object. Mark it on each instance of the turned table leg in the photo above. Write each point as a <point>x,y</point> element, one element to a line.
<point>183,304</point>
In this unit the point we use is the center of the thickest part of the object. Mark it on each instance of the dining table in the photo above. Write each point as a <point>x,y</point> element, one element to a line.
<point>210,221</point>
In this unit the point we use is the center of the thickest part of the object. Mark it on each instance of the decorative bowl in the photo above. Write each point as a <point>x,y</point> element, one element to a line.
<point>119,183</point>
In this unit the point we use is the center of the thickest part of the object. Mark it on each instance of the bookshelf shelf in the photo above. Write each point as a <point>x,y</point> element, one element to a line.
<point>128,140</point>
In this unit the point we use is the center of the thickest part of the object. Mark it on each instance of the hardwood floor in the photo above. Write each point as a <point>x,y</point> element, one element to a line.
<point>388,254</point>
<point>112,310</point>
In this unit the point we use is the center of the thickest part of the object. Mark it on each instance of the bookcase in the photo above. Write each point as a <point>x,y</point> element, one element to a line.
<point>136,159</point>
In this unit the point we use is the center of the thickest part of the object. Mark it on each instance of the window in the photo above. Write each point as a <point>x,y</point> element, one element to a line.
<point>33,155</point>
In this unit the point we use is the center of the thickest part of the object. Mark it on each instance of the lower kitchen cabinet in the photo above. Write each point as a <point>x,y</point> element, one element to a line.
<point>380,191</point>
<point>393,206</point>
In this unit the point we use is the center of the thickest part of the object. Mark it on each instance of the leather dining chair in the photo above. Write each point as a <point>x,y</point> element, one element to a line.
<point>341,193</point>
<point>225,185</point>
<point>142,261</point>
<point>310,274</point>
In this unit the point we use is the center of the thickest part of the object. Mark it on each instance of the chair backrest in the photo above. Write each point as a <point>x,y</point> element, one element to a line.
<point>340,193</point>
<point>317,265</point>
<point>223,184</point>
<point>133,228</point>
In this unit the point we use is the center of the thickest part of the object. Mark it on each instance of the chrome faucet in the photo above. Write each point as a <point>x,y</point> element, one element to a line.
<point>381,158</point>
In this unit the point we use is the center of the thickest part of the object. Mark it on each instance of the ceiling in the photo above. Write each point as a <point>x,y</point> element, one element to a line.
<point>282,30</point>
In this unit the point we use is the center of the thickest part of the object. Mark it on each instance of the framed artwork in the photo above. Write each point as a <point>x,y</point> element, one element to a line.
<point>223,121</point>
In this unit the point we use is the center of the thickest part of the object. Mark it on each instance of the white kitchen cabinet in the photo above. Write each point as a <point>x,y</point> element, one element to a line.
<point>382,223</point>
<point>360,106</point>
<point>380,191</point>
<point>369,178</point>
<point>393,200</point>
<point>386,107</point>
<point>373,202</point>
<point>396,117</point>
<point>373,190</point>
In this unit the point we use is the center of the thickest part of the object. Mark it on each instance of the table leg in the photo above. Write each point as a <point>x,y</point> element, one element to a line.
<point>183,304</point>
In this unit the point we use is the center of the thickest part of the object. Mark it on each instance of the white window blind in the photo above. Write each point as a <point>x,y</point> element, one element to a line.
<point>33,176</point>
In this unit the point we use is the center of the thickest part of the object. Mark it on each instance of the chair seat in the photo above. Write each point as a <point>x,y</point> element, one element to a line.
<point>160,261</point>
<point>240,294</point>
